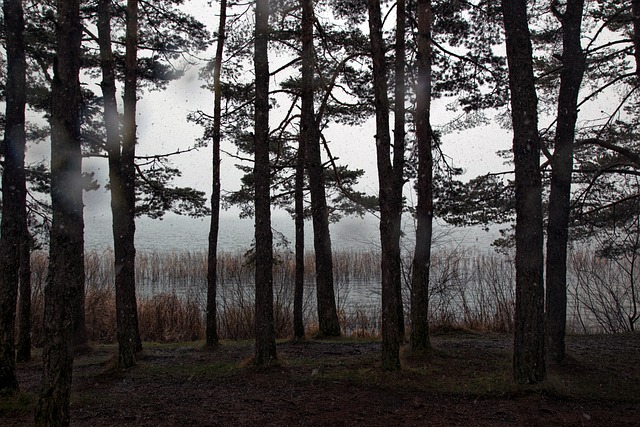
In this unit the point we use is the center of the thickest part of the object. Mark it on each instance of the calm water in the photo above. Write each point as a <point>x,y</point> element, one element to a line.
<point>177,234</point>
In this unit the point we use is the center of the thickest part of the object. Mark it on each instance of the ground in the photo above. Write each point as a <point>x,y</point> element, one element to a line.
<point>465,381</point>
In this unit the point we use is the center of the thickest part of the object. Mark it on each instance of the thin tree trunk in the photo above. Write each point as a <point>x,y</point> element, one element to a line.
<point>635,13</point>
<point>424,212</point>
<point>399,135</point>
<point>66,247</point>
<point>298,293</point>
<point>390,199</point>
<point>23,348</point>
<point>265,331</point>
<point>126,306</point>
<point>573,65</point>
<point>327,314</point>
<point>212,264</point>
<point>528,358</point>
<point>126,338</point>
<point>13,189</point>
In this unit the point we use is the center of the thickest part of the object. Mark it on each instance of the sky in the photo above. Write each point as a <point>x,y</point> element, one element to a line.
<point>163,128</point>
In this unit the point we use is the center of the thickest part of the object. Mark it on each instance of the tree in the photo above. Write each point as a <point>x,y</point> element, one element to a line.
<point>399,118</point>
<point>528,358</point>
<point>424,211</point>
<point>12,227</point>
<point>307,95</point>
<point>23,344</point>
<point>298,291</point>
<point>66,250</point>
<point>331,187</point>
<point>309,133</point>
<point>635,16</point>
<point>573,66</point>
<point>391,180</point>
<point>265,332</point>
<point>121,153</point>
<point>212,329</point>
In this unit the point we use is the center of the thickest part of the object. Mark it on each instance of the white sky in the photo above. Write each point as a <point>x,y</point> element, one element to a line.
<point>162,127</point>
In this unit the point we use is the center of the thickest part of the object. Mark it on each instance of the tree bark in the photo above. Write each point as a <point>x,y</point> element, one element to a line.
<point>573,66</point>
<point>327,314</point>
<point>298,292</point>
<point>121,226</point>
<point>298,295</point>
<point>635,13</point>
<point>399,135</point>
<point>390,199</point>
<point>13,189</point>
<point>424,212</point>
<point>66,247</point>
<point>528,359</point>
<point>126,286</point>
<point>212,264</point>
<point>265,331</point>
<point>23,346</point>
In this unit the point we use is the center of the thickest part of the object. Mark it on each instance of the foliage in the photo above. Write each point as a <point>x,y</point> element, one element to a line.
<point>167,40</point>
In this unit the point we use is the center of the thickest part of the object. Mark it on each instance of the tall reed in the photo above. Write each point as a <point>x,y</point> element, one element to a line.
<point>468,289</point>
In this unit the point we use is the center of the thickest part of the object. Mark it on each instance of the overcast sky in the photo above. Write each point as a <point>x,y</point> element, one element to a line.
<point>163,128</point>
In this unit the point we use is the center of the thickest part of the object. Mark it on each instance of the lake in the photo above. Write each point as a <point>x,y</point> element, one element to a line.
<point>176,233</point>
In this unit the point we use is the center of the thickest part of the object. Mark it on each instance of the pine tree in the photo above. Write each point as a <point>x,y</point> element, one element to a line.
<point>265,332</point>
<point>528,358</point>
<point>66,250</point>
<point>12,227</point>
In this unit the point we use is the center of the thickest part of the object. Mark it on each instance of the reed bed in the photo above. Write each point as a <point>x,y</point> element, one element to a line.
<point>468,289</point>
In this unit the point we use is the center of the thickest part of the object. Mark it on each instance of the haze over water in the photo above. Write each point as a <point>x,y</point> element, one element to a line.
<point>178,234</point>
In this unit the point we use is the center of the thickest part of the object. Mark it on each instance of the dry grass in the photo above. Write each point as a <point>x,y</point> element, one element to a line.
<point>468,290</point>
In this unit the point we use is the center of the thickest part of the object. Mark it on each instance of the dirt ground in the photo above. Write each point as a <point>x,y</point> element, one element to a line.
<point>465,381</point>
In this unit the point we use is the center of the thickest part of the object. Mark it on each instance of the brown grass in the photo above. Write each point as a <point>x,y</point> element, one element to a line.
<point>468,290</point>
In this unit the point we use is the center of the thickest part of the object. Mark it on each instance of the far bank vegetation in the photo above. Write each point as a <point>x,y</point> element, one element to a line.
<point>471,291</point>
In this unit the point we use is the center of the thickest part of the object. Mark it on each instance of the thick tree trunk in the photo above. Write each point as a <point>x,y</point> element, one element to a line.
<point>424,212</point>
<point>265,332</point>
<point>327,314</point>
<point>66,247</point>
<point>212,264</point>
<point>528,358</point>
<point>13,189</point>
<point>573,65</point>
<point>390,200</point>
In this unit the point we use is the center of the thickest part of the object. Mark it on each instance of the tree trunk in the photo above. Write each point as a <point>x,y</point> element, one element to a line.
<point>66,247</point>
<point>528,358</point>
<point>13,190</point>
<point>573,65</point>
<point>265,332</point>
<point>212,264</point>
<point>23,347</point>
<point>126,330</point>
<point>327,314</point>
<point>390,199</point>
<point>399,140</point>
<point>635,13</point>
<point>298,295</point>
<point>127,284</point>
<point>298,292</point>
<point>424,212</point>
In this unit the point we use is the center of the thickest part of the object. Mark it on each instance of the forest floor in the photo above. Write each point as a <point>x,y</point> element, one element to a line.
<point>465,381</point>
